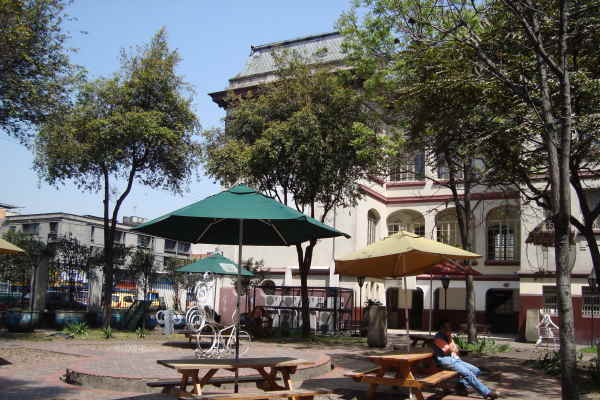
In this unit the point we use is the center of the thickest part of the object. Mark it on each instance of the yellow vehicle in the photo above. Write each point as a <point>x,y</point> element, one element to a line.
<point>122,300</point>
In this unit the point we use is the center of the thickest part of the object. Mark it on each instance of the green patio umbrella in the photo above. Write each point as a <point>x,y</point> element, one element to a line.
<point>239,216</point>
<point>217,264</point>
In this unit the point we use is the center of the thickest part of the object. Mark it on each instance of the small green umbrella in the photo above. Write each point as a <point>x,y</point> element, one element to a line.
<point>239,216</point>
<point>217,264</point>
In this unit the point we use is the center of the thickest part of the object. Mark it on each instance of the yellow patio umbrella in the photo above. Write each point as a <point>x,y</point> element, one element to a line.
<point>9,248</point>
<point>400,255</point>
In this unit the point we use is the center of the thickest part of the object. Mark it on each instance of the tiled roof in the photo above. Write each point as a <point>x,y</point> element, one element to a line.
<point>319,49</point>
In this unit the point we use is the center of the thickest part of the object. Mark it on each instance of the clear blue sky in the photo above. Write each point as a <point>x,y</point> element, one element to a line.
<point>213,38</point>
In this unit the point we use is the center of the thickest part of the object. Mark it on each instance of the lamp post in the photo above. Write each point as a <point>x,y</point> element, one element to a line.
<point>361,281</point>
<point>445,283</point>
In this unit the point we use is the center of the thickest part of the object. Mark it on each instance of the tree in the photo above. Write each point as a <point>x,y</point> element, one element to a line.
<point>36,76</point>
<point>142,266</point>
<point>137,126</point>
<point>20,268</point>
<point>522,49</point>
<point>306,140</point>
<point>178,280</point>
<point>71,258</point>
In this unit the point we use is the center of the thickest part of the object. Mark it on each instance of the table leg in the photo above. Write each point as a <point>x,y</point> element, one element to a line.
<point>287,380</point>
<point>372,392</point>
<point>270,377</point>
<point>185,375</point>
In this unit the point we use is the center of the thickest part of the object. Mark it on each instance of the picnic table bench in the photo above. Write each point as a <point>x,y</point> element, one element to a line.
<point>399,371</point>
<point>170,385</point>
<point>279,394</point>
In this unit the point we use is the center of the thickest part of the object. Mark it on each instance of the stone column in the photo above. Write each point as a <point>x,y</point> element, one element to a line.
<point>377,331</point>
<point>95,280</point>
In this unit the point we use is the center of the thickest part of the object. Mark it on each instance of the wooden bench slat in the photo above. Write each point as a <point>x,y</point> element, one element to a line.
<point>279,394</point>
<point>437,377</point>
<point>215,381</point>
<point>356,375</point>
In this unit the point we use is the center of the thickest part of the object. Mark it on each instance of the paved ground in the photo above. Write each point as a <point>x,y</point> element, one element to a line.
<point>32,370</point>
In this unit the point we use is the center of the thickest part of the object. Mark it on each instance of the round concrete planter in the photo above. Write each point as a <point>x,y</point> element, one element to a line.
<point>63,318</point>
<point>22,321</point>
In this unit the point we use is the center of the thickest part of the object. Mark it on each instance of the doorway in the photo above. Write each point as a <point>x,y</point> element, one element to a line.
<point>500,310</point>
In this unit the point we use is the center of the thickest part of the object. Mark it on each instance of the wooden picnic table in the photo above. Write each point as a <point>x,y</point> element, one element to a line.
<point>267,367</point>
<point>398,370</point>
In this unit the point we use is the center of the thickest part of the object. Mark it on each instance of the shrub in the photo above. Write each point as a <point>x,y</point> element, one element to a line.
<point>107,332</point>
<point>77,329</point>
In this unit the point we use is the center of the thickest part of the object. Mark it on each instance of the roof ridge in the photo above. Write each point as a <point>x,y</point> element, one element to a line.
<point>290,41</point>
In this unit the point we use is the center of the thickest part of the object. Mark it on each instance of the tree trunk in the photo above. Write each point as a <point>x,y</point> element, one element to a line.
<point>304,263</point>
<point>108,257</point>
<point>470,305</point>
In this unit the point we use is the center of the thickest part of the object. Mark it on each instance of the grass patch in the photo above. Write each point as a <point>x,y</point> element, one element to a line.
<point>589,349</point>
<point>316,340</point>
<point>482,345</point>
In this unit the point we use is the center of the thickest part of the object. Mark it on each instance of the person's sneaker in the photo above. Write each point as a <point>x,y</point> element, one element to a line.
<point>461,390</point>
<point>492,395</point>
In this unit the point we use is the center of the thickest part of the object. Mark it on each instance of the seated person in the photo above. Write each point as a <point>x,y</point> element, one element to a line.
<point>446,355</point>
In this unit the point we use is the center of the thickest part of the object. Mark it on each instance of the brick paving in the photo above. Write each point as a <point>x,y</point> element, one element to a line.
<point>32,370</point>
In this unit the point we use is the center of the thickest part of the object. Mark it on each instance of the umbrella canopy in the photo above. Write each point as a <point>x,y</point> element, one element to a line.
<point>239,216</point>
<point>217,264</point>
<point>7,247</point>
<point>216,219</point>
<point>401,254</point>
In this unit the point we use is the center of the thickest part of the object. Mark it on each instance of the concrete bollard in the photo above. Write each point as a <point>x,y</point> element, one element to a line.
<point>377,332</point>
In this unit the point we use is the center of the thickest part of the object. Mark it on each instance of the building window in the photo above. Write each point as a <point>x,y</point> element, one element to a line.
<point>145,242</point>
<point>406,220</point>
<point>173,246</point>
<point>591,303</point>
<point>372,221</point>
<point>408,168</point>
<point>31,229</point>
<point>503,237</point>
<point>443,172</point>
<point>550,300</point>
<point>446,227</point>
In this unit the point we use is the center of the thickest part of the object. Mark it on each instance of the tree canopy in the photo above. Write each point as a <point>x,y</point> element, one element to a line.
<point>36,76</point>
<point>137,126</point>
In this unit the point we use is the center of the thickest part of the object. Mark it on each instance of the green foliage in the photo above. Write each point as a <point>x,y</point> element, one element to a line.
<point>590,349</point>
<point>77,329</point>
<point>308,134</point>
<point>19,267</point>
<point>35,73</point>
<point>107,332</point>
<point>143,267</point>
<point>135,127</point>
<point>140,332</point>
<point>550,363</point>
<point>249,282</point>
<point>482,345</point>
<point>179,280</point>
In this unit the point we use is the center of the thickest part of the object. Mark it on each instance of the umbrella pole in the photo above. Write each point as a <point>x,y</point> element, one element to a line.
<point>405,294</point>
<point>239,293</point>
<point>430,300</point>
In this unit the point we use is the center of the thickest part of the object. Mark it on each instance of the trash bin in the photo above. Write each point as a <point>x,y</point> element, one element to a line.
<point>377,330</point>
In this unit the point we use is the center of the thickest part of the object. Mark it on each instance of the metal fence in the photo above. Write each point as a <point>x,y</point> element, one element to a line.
<point>330,308</point>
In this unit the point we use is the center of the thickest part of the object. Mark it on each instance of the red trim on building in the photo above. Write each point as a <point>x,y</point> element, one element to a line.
<point>549,275</point>
<point>482,278</point>
<point>434,198</point>
<point>513,263</point>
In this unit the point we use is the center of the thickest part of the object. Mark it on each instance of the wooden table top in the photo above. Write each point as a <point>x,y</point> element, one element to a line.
<point>230,363</point>
<point>387,358</point>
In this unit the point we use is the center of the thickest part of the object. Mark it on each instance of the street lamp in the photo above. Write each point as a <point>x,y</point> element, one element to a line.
<point>361,282</point>
<point>445,283</point>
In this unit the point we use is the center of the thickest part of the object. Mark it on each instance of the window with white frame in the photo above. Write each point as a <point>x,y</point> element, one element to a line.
<point>443,172</point>
<point>406,220</point>
<point>503,234</point>
<point>446,227</point>
<point>550,294</point>
<point>406,168</point>
<point>372,221</point>
<point>591,303</point>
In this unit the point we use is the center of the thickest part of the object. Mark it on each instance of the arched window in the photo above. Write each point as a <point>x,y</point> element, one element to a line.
<point>446,227</point>
<point>372,221</point>
<point>406,220</point>
<point>503,234</point>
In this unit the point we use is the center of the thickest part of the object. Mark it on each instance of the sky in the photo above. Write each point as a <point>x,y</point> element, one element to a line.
<point>213,39</point>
